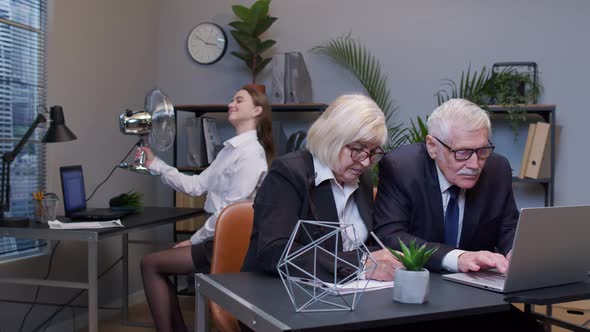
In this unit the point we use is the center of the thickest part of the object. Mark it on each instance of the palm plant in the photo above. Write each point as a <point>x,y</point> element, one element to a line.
<point>472,86</point>
<point>354,56</point>
<point>418,131</point>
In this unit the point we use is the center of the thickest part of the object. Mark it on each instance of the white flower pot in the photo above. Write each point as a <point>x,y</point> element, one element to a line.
<point>411,286</point>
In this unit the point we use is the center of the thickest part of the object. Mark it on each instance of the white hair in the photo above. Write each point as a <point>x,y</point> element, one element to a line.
<point>350,118</point>
<point>457,112</point>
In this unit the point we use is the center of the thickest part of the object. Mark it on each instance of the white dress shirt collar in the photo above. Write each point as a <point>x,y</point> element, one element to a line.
<point>323,173</point>
<point>442,181</point>
<point>242,138</point>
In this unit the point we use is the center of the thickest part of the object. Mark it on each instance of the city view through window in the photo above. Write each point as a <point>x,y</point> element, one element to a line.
<point>22,90</point>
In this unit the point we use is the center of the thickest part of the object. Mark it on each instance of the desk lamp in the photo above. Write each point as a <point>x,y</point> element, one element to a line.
<point>57,132</point>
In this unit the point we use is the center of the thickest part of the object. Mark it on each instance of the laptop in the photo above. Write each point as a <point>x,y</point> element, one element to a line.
<point>551,247</point>
<point>74,197</point>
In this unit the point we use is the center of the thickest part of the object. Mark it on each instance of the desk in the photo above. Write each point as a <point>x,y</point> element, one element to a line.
<point>552,295</point>
<point>262,303</point>
<point>150,217</point>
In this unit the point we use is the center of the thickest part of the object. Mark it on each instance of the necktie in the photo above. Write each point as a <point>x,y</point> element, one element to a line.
<point>452,217</point>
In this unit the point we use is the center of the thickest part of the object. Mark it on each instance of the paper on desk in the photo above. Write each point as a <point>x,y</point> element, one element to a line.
<point>56,224</point>
<point>347,288</point>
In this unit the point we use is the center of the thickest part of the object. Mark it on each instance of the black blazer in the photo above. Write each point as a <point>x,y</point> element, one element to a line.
<point>409,204</point>
<point>288,194</point>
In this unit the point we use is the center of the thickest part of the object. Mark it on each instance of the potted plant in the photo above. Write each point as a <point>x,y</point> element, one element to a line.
<point>413,280</point>
<point>507,87</point>
<point>252,23</point>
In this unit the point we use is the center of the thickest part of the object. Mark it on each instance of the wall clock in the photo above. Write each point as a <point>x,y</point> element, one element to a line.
<point>207,43</point>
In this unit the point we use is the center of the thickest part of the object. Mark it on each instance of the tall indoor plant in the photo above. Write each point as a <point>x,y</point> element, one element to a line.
<point>247,30</point>
<point>354,56</point>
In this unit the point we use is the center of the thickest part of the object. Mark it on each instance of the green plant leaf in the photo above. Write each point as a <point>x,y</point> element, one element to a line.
<point>261,65</point>
<point>242,27</point>
<point>245,41</point>
<point>241,12</point>
<point>246,57</point>
<point>258,12</point>
<point>263,25</point>
<point>417,131</point>
<point>264,46</point>
<point>414,258</point>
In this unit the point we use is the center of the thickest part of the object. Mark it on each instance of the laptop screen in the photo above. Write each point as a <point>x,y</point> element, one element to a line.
<point>72,185</point>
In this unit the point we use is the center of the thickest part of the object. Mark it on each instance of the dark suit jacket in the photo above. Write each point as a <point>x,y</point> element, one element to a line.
<point>289,194</point>
<point>409,204</point>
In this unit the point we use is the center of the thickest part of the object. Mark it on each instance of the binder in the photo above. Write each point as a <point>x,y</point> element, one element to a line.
<point>539,158</point>
<point>527,151</point>
<point>212,140</point>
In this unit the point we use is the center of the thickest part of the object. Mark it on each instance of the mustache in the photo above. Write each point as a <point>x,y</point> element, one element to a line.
<point>469,171</point>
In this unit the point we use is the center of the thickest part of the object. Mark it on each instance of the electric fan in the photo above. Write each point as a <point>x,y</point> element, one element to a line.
<point>157,121</point>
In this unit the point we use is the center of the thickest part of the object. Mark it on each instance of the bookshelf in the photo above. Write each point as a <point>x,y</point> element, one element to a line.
<point>198,111</point>
<point>546,112</point>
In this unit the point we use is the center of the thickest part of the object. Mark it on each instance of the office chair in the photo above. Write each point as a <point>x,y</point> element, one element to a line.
<point>230,244</point>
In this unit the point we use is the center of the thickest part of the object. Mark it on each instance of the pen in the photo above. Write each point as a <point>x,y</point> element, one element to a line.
<point>378,241</point>
<point>381,243</point>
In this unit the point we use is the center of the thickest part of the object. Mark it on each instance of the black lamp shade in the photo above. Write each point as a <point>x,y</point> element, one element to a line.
<point>57,132</point>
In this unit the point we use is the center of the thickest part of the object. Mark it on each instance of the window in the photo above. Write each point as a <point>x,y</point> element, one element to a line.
<point>22,89</point>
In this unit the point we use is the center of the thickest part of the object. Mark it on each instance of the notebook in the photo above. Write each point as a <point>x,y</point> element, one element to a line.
<point>551,247</point>
<point>74,197</point>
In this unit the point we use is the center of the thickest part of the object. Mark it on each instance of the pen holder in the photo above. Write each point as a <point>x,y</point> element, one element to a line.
<point>49,208</point>
<point>39,213</point>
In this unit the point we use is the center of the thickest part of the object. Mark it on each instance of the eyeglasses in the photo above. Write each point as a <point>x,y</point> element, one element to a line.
<point>464,154</point>
<point>359,154</point>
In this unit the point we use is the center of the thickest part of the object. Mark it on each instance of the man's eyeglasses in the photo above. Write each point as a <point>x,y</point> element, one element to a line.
<point>464,154</point>
<point>358,154</point>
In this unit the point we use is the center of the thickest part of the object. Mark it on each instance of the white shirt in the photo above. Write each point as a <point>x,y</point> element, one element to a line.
<point>348,212</point>
<point>234,176</point>
<point>451,259</point>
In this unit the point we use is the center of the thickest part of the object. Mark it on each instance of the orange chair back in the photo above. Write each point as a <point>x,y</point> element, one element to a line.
<point>230,244</point>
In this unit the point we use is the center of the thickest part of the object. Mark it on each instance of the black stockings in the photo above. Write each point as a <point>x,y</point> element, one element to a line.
<point>160,292</point>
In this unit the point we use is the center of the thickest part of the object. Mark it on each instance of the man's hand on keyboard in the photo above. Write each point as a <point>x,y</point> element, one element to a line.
<point>482,260</point>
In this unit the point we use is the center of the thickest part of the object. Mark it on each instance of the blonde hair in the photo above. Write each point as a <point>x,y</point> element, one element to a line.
<point>457,112</point>
<point>350,118</point>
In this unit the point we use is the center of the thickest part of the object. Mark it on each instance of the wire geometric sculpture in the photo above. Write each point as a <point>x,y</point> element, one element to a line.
<point>308,293</point>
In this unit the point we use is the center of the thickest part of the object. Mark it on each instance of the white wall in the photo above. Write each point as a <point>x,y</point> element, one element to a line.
<point>101,59</point>
<point>418,43</point>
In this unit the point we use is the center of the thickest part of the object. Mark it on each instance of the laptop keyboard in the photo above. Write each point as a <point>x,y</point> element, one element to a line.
<point>490,278</point>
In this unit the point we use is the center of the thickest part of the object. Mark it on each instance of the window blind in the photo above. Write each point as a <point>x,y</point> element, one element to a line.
<point>23,25</point>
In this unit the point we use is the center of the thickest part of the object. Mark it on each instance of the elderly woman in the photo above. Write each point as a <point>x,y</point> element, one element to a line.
<point>325,183</point>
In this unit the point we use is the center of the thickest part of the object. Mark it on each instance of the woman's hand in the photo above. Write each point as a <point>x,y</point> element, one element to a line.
<point>149,154</point>
<point>184,243</point>
<point>386,265</point>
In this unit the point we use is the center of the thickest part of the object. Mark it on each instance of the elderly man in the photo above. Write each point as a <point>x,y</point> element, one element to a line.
<point>451,191</point>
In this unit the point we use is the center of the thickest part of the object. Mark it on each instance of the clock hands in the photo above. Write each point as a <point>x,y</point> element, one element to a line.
<point>204,41</point>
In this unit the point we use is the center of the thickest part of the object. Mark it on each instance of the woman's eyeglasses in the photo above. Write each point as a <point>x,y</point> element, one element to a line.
<point>358,154</point>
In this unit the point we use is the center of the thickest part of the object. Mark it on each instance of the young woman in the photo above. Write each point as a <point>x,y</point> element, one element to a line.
<point>234,176</point>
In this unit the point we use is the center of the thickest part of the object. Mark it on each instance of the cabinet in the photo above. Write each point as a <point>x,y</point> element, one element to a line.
<point>546,113</point>
<point>189,227</point>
